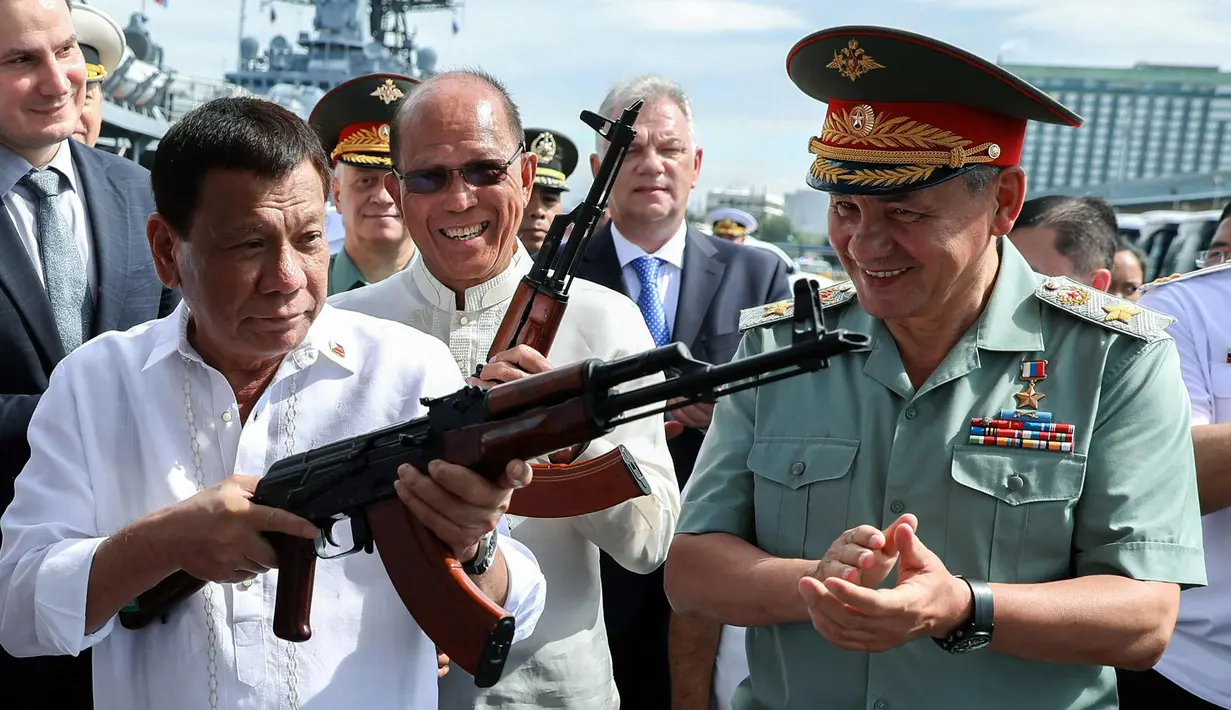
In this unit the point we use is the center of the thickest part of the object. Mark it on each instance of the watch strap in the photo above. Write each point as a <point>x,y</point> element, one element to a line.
<point>484,555</point>
<point>983,619</point>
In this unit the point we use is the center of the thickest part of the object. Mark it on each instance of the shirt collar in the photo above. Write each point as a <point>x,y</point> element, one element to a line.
<point>13,167</point>
<point>495,290</point>
<point>1012,319</point>
<point>672,252</point>
<point>324,340</point>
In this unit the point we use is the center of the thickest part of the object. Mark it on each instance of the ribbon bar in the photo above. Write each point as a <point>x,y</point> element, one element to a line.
<point>1018,424</point>
<point>1024,415</point>
<point>1021,434</point>
<point>1015,443</point>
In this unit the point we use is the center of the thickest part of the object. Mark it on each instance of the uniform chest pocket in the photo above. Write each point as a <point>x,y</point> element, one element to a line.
<point>1011,513</point>
<point>801,491</point>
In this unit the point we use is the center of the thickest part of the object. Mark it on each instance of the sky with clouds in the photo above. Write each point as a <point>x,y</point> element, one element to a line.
<point>560,56</point>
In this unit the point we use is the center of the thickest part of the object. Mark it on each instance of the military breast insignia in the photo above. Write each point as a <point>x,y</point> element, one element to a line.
<point>771,313</point>
<point>852,61</point>
<point>1104,309</point>
<point>1024,427</point>
<point>387,92</point>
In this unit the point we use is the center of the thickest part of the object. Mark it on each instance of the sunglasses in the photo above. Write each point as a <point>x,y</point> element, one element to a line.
<point>478,173</point>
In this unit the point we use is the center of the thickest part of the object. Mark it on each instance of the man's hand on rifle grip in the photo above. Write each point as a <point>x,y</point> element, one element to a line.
<point>457,504</point>
<point>216,534</point>
<point>512,364</point>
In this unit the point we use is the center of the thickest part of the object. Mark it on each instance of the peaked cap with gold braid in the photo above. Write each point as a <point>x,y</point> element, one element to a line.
<point>101,40</point>
<point>907,111</point>
<point>557,157</point>
<point>354,118</point>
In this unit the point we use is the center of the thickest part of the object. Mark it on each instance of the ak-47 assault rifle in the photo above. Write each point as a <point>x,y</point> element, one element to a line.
<point>482,429</point>
<point>534,316</point>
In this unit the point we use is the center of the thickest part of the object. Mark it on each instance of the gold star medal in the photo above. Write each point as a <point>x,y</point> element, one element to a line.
<point>1032,372</point>
<point>777,309</point>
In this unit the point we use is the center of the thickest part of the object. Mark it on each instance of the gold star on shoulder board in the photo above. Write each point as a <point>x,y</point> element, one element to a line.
<point>778,309</point>
<point>1029,397</point>
<point>1122,312</point>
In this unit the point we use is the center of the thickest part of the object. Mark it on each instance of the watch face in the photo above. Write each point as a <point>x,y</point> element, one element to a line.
<point>971,643</point>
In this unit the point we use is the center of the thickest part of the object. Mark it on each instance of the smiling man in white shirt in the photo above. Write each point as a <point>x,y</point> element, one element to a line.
<point>464,183</point>
<point>148,443</point>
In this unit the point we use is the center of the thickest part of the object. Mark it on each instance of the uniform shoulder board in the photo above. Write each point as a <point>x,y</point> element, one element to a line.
<point>771,313</point>
<point>1177,278</point>
<point>1104,309</point>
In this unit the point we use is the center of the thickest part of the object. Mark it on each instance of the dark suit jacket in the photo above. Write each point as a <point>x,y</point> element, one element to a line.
<point>118,201</point>
<point>719,280</point>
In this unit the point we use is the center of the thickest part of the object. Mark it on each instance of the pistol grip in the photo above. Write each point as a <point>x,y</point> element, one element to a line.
<point>155,603</point>
<point>296,577</point>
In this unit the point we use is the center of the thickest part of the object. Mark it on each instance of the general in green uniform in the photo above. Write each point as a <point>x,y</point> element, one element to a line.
<point>353,120</point>
<point>1045,453</point>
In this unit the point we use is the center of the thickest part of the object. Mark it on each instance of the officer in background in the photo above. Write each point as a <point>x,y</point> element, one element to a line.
<point>737,226</point>
<point>557,160</point>
<point>1195,672</point>
<point>994,504</point>
<point>352,121</point>
<point>102,42</point>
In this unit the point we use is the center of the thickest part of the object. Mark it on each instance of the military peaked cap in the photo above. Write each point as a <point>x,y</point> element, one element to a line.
<point>907,111</point>
<point>557,157</point>
<point>729,222</point>
<point>353,120</point>
<point>101,41</point>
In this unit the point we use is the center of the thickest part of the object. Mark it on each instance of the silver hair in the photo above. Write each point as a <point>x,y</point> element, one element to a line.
<point>648,88</point>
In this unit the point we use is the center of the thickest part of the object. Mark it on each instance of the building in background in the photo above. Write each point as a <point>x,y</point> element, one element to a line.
<point>758,203</point>
<point>808,211</point>
<point>1142,123</point>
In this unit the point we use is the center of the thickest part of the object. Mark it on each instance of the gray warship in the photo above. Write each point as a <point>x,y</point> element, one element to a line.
<point>144,96</point>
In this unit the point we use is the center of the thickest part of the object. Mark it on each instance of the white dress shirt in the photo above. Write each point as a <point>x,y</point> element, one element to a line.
<point>1198,658</point>
<point>109,444</point>
<point>566,662</point>
<point>22,207</point>
<point>670,271</point>
<point>730,667</point>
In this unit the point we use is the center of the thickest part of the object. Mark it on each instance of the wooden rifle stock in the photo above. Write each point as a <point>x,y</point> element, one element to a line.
<point>468,627</point>
<point>156,602</point>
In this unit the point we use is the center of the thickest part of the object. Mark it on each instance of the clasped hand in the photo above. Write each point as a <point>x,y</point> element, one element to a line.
<point>849,611</point>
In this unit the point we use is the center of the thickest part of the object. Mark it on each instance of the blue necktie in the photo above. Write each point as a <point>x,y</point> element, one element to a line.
<point>648,301</point>
<point>63,271</point>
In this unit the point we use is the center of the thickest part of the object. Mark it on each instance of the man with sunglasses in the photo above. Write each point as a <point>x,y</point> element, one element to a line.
<point>352,121</point>
<point>463,176</point>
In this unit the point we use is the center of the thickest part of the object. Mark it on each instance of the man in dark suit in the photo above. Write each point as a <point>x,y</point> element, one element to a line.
<point>74,262</point>
<point>690,288</point>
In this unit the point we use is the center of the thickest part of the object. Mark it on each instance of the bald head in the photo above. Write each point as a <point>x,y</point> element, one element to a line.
<point>469,94</point>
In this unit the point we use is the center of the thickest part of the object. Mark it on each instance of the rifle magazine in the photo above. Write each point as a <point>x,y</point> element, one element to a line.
<point>469,628</point>
<point>568,490</point>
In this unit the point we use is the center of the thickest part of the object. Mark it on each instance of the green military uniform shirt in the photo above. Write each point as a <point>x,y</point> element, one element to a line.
<point>343,274</point>
<point>791,465</point>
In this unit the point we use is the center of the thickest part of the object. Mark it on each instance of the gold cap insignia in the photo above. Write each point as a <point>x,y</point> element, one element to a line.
<point>853,62</point>
<point>387,92</point>
<point>544,146</point>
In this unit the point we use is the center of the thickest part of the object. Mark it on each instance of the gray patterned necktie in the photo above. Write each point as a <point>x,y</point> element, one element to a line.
<point>63,271</point>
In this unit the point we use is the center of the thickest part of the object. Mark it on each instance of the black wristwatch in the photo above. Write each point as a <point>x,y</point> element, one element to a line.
<point>483,556</point>
<point>977,631</point>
